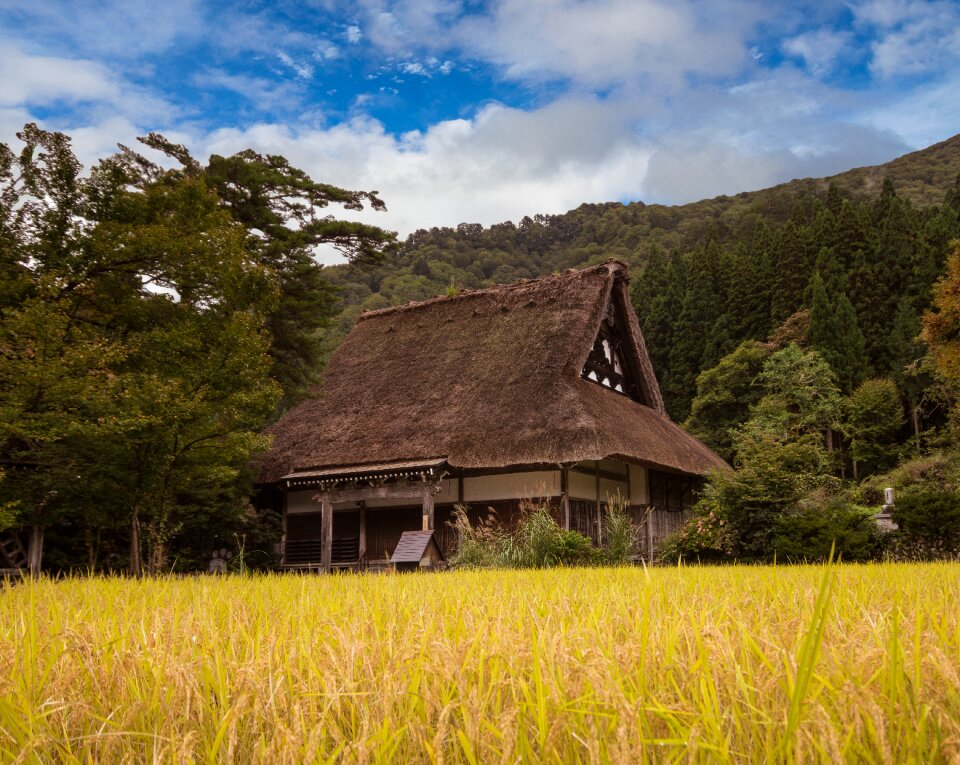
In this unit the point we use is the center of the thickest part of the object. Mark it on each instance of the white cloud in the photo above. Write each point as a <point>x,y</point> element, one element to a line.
<point>506,163</point>
<point>922,117</point>
<point>120,28</point>
<point>820,49</point>
<point>326,51</point>
<point>607,42</point>
<point>39,81</point>
<point>413,67</point>
<point>912,36</point>
<point>503,164</point>
<point>353,34</point>
<point>303,71</point>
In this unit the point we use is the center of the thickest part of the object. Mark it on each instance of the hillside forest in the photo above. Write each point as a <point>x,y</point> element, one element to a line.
<point>155,320</point>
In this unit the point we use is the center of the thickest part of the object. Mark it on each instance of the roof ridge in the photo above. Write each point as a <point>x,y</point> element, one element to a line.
<point>610,265</point>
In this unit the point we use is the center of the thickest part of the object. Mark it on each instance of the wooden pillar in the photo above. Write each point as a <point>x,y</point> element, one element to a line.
<point>283,532</point>
<point>326,531</point>
<point>428,509</point>
<point>599,522</point>
<point>35,549</point>
<point>363,531</point>
<point>565,497</point>
<point>650,511</point>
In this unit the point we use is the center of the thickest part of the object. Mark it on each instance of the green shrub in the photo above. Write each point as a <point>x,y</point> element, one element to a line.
<point>537,541</point>
<point>929,521</point>
<point>809,535</point>
<point>707,536</point>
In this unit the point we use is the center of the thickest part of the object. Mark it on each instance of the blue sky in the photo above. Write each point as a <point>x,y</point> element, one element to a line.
<point>459,110</point>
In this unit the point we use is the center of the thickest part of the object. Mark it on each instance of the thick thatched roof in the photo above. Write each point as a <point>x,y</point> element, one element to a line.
<point>485,379</point>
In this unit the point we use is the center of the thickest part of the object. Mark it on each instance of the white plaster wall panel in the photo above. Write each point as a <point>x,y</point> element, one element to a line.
<point>449,492</point>
<point>542,483</point>
<point>582,486</point>
<point>639,487</point>
<point>610,488</point>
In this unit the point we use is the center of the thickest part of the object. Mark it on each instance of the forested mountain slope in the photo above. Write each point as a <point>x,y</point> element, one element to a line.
<point>720,270</point>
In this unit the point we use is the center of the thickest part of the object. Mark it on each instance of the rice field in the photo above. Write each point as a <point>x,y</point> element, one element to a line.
<point>735,664</point>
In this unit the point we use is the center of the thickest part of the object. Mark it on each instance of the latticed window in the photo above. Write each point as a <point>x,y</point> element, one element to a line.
<point>607,363</point>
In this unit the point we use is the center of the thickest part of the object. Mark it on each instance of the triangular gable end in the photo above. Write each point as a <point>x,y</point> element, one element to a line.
<point>614,360</point>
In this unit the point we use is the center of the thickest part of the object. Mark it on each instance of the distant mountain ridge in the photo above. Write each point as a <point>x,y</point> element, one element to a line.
<point>470,256</point>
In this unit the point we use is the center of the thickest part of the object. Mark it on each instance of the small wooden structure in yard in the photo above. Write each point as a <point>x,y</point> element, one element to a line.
<point>13,556</point>
<point>417,550</point>
<point>539,389</point>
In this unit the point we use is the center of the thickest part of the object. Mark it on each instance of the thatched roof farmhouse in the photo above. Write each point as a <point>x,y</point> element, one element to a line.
<point>541,388</point>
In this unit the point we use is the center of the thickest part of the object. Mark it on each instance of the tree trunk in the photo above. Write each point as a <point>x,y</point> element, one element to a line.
<point>915,417</point>
<point>35,549</point>
<point>93,551</point>
<point>136,564</point>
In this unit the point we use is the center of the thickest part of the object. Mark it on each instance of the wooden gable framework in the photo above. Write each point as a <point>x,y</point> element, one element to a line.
<point>611,361</point>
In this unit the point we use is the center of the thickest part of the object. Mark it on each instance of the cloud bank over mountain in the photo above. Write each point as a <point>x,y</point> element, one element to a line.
<point>458,111</point>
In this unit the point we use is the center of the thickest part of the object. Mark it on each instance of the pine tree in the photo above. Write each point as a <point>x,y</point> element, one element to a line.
<point>791,272</point>
<point>700,309</point>
<point>720,342</point>
<point>822,331</point>
<point>656,298</point>
<point>851,235</point>
<point>755,284</point>
<point>834,199</point>
<point>882,278</point>
<point>848,354</point>
<point>830,270</point>
<point>905,351</point>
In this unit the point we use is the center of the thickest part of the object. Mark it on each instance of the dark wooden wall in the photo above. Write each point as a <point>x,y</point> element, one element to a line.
<point>384,526</point>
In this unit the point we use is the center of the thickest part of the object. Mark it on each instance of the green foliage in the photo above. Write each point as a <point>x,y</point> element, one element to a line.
<point>835,334</point>
<point>874,417</point>
<point>285,215</point>
<point>478,546</point>
<point>781,460</point>
<point>929,522</point>
<point>142,314</point>
<point>538,541</point>
<point>801,398</point>
<point>725,394</point>
<point>812,533</point>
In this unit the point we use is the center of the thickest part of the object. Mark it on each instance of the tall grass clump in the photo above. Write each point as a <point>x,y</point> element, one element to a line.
<point>619,533</point>
<point>537,541</point>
